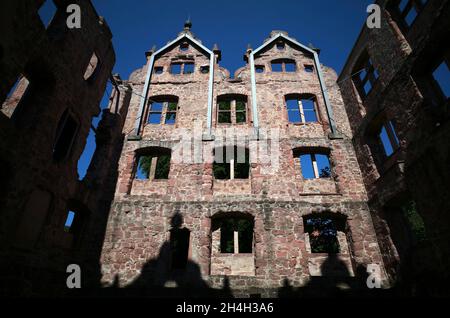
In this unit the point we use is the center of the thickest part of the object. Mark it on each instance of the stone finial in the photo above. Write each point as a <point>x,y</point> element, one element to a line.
<point>215,47</point>
<point>151,52</point>
<point>188,25</point>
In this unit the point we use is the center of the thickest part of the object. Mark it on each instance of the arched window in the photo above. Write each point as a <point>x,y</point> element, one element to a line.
<point>301,108</point>
<point>153,163</point>
<point>231,163</point>
<point>314,162</point>
<point>232,109</point>
<point>163,110</point>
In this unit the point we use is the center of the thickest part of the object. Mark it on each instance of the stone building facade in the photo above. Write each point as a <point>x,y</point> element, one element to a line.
<point>395,88</point>
<point>45,119</point>
<point>243,223</point>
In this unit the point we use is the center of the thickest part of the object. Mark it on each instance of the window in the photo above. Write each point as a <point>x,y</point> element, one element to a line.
<point>280,46</point>
<point>301,109</point>
<point>153,165</point>
<point>204,69</point>
<point>163,110</point>
<point>441,76</point>
<point>182,68</point>
<point>283,65</point>
<point>91,69</point>
<point>73,222</point>
<point>188,68</point>
<point>175,68</point>
<point>365,75</point>
<point>184,47</point>
<point>388,138</point>
<point>231,109</point>
<point>65,136</point>
<point>323,234</point>
<point>405,12</point>
<point>159,70</point>
<point>309,69</point>
<point>315,165</point>
<point>15,95</point>
<point>69,221</point>
<point>46,12</point>
<point>259,68</point>
<point>231,163</point>
<point>236,233</point>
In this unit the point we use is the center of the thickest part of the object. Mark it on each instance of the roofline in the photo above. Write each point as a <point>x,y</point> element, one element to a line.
<point>168,45</point>
<point>286,38</point>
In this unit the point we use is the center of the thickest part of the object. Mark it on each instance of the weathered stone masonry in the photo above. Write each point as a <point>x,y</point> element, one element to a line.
<point>141,225</point>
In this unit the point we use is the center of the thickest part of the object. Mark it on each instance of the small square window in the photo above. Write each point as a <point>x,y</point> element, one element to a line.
<point>188,68</point>
<point>175,68</point>
<point>204,69</point>
<point>277,67</point>
<point>259,68</point>
<point>159,70</point>
<point>309,69</point>
<point>281,46</point>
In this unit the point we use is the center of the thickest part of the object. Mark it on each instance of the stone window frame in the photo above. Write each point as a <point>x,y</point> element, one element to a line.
<point>300,97</point>
<point>158,70</point>
<point>259,69</point>
<point>233,100</point>
<point>364,63</point>
<point>16,94</point>
<point>313,151</point>
<point>154,153</point>
<point>216,227</point>
<point>283,62</point>
<point>72,238</point>
<point>165,100</point>
<point>343,232</point>
<point>182,64</point>
<point>399,15</point>
<point>224,155</point>
<point>373,133</point>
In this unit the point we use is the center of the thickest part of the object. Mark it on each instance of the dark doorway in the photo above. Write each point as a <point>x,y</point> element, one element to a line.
<point>179,246</point>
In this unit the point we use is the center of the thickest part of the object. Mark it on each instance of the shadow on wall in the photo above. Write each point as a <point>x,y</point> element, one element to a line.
<point>171,274</point>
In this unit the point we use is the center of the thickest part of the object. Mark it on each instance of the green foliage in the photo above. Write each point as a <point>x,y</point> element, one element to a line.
<point>415,222</point>
<point>325,172</point>
<point>162,167</point>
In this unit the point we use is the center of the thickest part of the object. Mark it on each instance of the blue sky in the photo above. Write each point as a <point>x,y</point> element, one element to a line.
<point>137,25</point>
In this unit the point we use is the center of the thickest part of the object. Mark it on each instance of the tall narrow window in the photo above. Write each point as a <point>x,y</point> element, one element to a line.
<point>236,234</point>
<point>315,165</point>
<point>65,136</point>
<point>175,68</point>
<point>365,75</point>
<point>188,68</point>
<point>301,109</point>
<point>163,110</point>
<point>179,247</point>
<point>388,138</point>
<point>231,109</point>
<point>231,163</point>
<point>405,12</point>
<point>15,96</point>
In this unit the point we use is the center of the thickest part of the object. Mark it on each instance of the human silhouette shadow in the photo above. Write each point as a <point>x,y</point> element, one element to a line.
<point>171,273</point>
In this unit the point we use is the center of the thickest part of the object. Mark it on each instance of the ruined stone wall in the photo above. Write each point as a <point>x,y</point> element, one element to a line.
<point>38,191</point>
<point>418,170</point>
<point>137,246</point>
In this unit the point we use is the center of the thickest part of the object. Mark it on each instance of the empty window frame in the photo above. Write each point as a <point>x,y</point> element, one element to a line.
<point>283,65</point>
<point>231,163</point>
<point>231,109</point>
<point>159,70</point>
<point>92,68</point>
<point>315,165</point>
<point>184,47</point>
<point>153,166</point>
<point>441,77</point>
<point>388,138</point>
<point>236,235</point>
<point>309,68</point>
<point>182,68</point>
<point>47,11</point>
<point>65,136</point>
<point>323,234</point>
<point>73,222</point>
<point>280,45</point>
<point>365,75</point>
<point>163,111</point>
<point>259,69</point>
<point>301,109</point>
<point>405,12</point>
<point>15,95</point>
<point>204,69</point>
